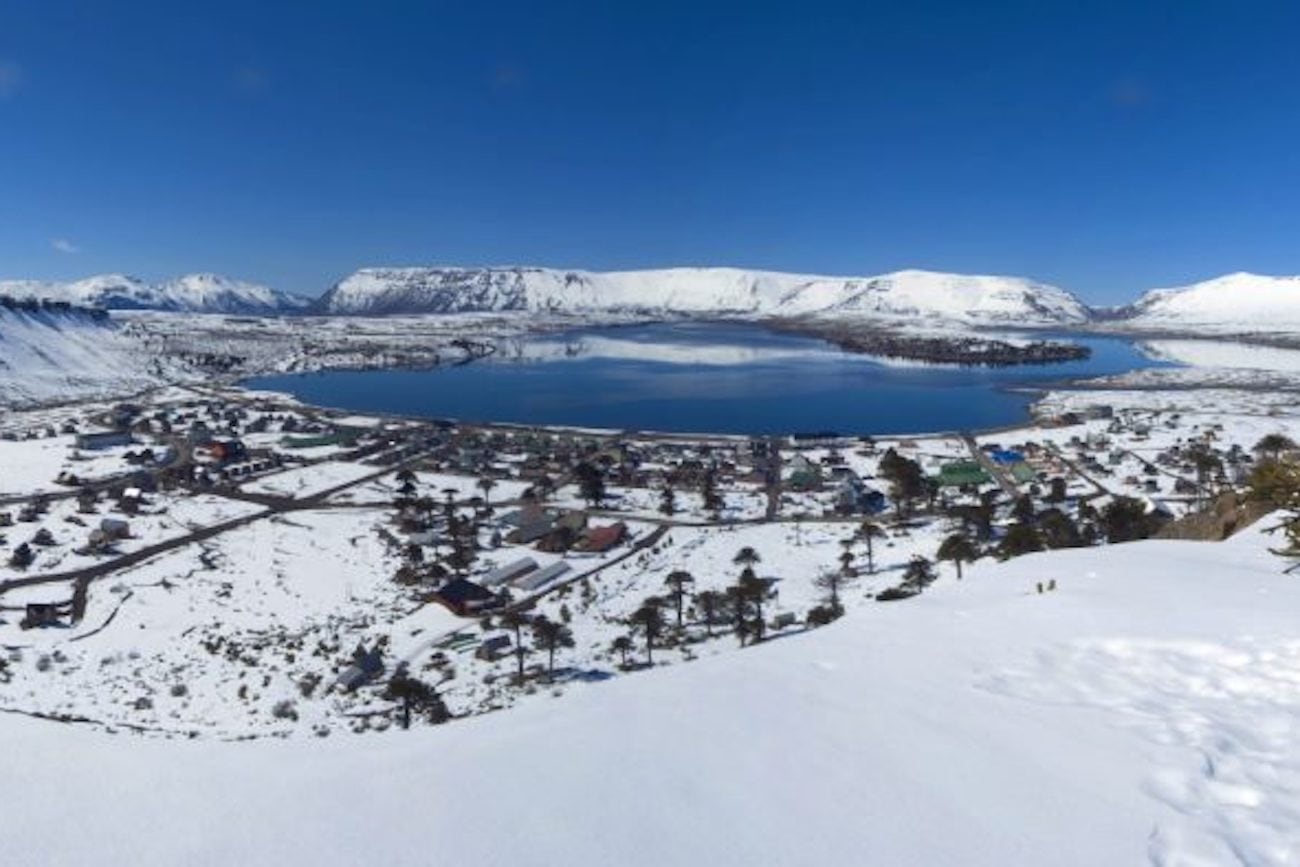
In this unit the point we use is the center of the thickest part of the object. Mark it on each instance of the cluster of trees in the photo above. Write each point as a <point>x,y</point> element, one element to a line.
<point>1276,482</point>
<point>548,635</point>
<point>740,605</point>
<point>591,483</point>
<point>417,699</point>
<point>907,482</point>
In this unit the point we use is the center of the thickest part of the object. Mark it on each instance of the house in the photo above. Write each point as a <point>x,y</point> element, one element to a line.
<point>854,497</point>
<point>42,614</point>
<point>224,451</point>
<point>426,537</point>
<point>493,648</point>
<point>509,572</point>
<point>1021,473</point>
<point>105,440</point>
<point>598,540</point>
<point>531,531</point>
<point>542,577</point>
<point>366,666</point>
<point>804,475</point>
<point>464,597</point>
<point>783,620</point>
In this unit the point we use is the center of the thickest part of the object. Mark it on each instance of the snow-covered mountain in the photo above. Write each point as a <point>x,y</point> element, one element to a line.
<point>1239,302</point>
<point>192,293</point>
<point>704,291</point>
<point>57,352</point>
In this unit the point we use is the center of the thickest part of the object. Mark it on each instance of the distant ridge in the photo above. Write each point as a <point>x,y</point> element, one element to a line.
<point>697,291</point>
<point>1240,302</point>
<point>192,293</point>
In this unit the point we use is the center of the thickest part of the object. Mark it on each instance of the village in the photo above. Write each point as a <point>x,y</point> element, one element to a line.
<point>219,562</point>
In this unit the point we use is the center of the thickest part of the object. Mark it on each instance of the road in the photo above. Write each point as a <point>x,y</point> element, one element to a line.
<point>990,466</point>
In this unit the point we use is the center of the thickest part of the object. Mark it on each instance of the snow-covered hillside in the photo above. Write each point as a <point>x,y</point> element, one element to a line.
<point>1143,713</point>
<point>904,295</point>
<point>1238,303</point>
<point>192,293</point>
<point>48,353</point>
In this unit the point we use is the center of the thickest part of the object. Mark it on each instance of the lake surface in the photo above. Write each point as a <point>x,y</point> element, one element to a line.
<point>701,377</point>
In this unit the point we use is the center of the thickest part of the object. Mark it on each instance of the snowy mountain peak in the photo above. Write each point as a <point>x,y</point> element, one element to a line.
<point>1239,301</point>
<point>192,293</point>
<point>900,295</point>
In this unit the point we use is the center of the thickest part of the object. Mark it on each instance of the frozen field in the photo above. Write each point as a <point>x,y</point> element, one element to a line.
<point>1146,712</point>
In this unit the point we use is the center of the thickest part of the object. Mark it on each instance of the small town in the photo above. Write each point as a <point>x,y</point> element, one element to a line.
<point>227,563</point>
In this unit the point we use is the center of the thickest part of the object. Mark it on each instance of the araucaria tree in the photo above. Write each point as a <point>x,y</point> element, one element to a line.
<point>417,696</point>
<point>753,590</point>
<point>1272,445</point>
<point>830,581</point>
<point>486,485</point>
<point>1021,538</point>
<point>747,557</point>
<point>1125,520</point>
<point>869,531</point>
<point>622,646</point>
<point>649,621</point>
<point>550,636</point>
<point>591,483</point>
<point>906,479</point>
<point>710,604</point>
<point>958,549</point>
<point>919,574</point>
<point>677,581</point>
<point>667,500</point>
<point>516,621</point>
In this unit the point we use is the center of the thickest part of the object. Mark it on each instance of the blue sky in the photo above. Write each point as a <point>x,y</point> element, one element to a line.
<point>1104,147</point>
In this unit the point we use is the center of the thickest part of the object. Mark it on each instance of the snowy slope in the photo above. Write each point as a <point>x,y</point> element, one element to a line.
<point>1144,713</point>
<point>193,293</point>
<point>1238,302</point>
<point>902,295</point>
<point>66,354</point>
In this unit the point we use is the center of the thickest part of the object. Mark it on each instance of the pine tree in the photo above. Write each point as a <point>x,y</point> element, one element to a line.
<point>919,574</point>
<point>677,580</point>
<point>958,549</point>
<point>649,621</point>
<point>550,636</point>
<point>868,532</point>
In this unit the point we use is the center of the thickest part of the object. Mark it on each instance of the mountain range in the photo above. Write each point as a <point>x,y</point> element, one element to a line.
<point>192,293</point>
<point>1241,302</point>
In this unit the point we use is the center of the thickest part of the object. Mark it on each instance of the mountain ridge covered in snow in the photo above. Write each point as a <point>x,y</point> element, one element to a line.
<point>1240,301</point>
<point>191,293</point>
<point>703,291</point>
<point>49,350</point>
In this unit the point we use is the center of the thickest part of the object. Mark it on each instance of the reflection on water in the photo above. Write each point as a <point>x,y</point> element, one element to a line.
<point>725,378</point>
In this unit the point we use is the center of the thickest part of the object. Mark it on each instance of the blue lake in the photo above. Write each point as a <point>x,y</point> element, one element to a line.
<point>701,377</point>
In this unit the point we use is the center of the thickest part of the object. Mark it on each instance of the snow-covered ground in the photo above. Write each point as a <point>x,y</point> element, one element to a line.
<point>1145,712</point>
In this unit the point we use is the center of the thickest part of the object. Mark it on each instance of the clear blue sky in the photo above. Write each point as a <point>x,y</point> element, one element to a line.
<point>1105,147</point>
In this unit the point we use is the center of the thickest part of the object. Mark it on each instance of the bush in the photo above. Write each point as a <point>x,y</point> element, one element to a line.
<point>894,593</point>
<point>824,614</point>
<point>284,710</point>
